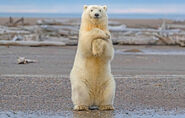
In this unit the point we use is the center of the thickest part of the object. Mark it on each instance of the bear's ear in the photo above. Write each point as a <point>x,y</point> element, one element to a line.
<point>105,7</point>
<point>85,7</point>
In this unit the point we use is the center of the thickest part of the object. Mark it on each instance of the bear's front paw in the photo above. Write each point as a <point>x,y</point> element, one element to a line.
<point>80,108</point>
<point>97,30</point>
<point>97,48</point>
<point>100,34</point>
<point>97,53</point>
<point>106,107</point>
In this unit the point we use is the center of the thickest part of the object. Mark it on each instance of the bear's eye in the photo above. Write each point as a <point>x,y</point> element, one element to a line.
<point>91,10</point>
<point>100,10</point>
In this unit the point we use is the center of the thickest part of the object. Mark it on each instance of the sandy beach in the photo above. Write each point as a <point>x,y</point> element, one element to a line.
<point>147,84</point>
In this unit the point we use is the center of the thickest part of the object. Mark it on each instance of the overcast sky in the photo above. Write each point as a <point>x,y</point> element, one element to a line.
<point>76,6</point>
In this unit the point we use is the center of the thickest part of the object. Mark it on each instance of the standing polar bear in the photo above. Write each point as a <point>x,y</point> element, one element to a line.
<point>91,79</point>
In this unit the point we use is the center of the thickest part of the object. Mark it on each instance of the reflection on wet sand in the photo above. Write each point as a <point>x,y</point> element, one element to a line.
<point>93,114</point>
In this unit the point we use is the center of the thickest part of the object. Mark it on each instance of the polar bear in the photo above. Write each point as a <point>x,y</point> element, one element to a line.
<point>91,80</point>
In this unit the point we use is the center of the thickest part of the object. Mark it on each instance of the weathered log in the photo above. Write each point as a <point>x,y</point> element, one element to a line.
<point>114,23</point>
<point>55,28</point>
<point>19,20</point>
<point>140,40</point>
<point>17,38</point>
<point>13,32</point>
<point>61,30</point>
<point>117,28</point>
<point>166,40</point>
<point>172,40</point>
<point>11,22</point>
<point>176,26</point>
<point>31,43</point>
<point>125,29</point>
<point>56,22</point>
<point>67,41</point>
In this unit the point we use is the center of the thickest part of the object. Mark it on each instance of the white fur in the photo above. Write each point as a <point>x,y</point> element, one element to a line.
<point>91,79</point>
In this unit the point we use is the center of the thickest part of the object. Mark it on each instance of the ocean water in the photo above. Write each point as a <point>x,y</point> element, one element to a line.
<point>78,15</point>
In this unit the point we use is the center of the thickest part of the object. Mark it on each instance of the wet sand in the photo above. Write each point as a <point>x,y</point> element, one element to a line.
<point>148,85</point>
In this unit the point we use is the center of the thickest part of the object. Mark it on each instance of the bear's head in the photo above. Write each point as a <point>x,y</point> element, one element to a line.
<point>95,14</point>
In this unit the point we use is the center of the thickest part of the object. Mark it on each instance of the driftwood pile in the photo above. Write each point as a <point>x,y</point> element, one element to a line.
<point>53,32</point>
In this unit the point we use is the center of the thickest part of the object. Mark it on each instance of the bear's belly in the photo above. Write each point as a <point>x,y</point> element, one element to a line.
<point>96,85</point>
<point>95,75</point>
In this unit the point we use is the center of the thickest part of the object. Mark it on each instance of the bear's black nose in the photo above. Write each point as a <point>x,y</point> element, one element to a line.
<point>96,15</point>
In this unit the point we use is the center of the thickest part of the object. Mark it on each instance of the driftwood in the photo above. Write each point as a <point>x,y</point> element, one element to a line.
<point>17,38</point>
<point>59,28</point>
<point>56,22</point>
<point>23,60</point>
<point>166,40</point>
<point>114,23</point>
<point>5,37</point>
<point>31,43</point>
<point>117,28</point>
<point>19,20</point>
<point>11,22</point>
<point>124,29</point>
<point>139,40</point>
<point>176,26</point>
<point>65,31</point>
<point>16,31</point>
<point>171,38</point>
<point>170,41</point>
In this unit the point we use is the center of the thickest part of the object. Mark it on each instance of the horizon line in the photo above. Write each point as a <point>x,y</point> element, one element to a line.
<point>81,12</point>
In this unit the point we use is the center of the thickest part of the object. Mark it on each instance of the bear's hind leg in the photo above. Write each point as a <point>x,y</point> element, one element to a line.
<point>80,97</point>
<point>108,97</point>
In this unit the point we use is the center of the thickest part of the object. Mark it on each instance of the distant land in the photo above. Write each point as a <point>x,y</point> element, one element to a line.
<point>78,15</point>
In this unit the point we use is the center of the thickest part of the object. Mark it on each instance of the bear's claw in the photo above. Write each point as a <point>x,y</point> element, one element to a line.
<point>106,107</point>
<point>80,108</point>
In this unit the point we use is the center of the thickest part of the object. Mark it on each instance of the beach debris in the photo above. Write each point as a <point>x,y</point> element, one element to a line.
<point>117,28</point>
<point>176,26</point>
<point>31,43</point>
<point>17,38</point>
<point>173,40</point>
<point>113,23</point>
<point>11,22</point>
<point>23,60</point>
<point>132,40</point>
<point>163,26</point>
<point>63,22</point>
<point>61,32</point>
<point>177,37</point>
